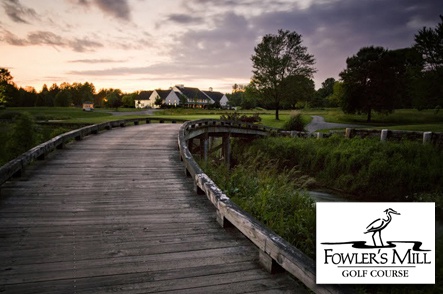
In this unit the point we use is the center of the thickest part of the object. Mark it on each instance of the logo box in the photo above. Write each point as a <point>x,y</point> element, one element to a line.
<point>375,243</point>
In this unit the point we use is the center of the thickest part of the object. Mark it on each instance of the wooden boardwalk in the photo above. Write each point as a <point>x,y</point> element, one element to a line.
<point>115,213</point>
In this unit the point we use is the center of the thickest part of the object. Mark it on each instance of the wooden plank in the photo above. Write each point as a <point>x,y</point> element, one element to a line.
<point>114,212</point>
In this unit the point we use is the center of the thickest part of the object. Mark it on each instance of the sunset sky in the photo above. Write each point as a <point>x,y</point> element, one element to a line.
<point>149,44</point>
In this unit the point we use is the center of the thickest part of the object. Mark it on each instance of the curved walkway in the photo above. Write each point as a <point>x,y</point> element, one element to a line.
<point>115,213</point>
<point>318,123</point>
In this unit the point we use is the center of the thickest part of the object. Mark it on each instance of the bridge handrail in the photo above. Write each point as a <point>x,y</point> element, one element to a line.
<point>284,254</point>
<point>18,164</point>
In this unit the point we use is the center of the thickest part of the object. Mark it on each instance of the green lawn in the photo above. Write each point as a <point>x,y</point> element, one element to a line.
<point>403,119</point>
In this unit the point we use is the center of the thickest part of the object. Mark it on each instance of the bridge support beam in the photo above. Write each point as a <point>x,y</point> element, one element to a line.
<point>226,142</point>
<point>204,146</point>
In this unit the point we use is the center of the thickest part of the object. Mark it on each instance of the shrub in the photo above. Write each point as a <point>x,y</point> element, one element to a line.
<point>23,136</point>
<point>295,123</point>
<point>235,116</point>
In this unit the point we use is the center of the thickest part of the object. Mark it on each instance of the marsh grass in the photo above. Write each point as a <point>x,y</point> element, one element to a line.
<point>272,197</point>
<point>365,169</point>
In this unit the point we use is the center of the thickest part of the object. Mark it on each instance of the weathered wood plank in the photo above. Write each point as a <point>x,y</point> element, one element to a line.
<point>114,213</point>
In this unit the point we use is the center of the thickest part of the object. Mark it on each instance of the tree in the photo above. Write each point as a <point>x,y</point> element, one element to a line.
<point>114,98</point>
<point>298,88</point>
<point>322,94</point>
<point>5,76</point>
<point>429,42</point>
<point>63,98</point>
<point>276,58</point>
<point>336,98</point>
<point>28,97</point>
<point>237,96</point>
<point>429,87</point>
<point>2,95</point>
<point>370,82</point>
<point>128,100</point>
<point>9,93</point>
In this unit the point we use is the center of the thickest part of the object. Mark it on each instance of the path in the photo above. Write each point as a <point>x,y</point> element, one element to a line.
<point>115,213</point>
<point>318,123</point>
<point>148,111</point>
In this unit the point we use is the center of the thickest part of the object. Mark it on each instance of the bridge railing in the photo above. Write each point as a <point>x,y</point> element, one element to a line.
<point>16,166</point>
<point>274,251</point>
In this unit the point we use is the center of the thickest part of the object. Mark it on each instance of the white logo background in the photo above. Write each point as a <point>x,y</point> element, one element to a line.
<point>347,221</point>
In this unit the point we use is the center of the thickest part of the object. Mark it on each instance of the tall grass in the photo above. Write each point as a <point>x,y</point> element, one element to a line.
<point>22,134</point>
<point>272,197</point>
<point>266,182</point>
<point>366,168</point>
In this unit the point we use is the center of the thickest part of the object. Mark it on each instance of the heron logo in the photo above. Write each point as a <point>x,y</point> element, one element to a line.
<point>375,243</point>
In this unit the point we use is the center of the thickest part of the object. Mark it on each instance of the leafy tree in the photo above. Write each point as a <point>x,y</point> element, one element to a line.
<point>408,66</point>
<point>297,88</point>
<point>128,100</point>
<point>28,97</point>
<point>321,95</point>
<point>114,98</point>
<point>5,76</point>
<point>63,98</point>
<point>9,93</point>
<point>236,97</point>
<point>100,98</point>
<point>429,87</point>
<point>2,95</point>
<point>429,42</point>
<point>276,58</point>
<point>336,98</point>
<point>370,82</point>
<point>53,91</point>
<point>249,97</point>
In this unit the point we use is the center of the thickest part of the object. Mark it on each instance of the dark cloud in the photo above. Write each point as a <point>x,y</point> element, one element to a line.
<point>336,30</point>
<point>332,30</point>
<point>50,39</point>
<point>83,44</point>
<point>223,50</point>
<point>18,12</point>
<point>116,8</point>
<point>12,39</point>
<point>45,38</point>
<point>184,19</point>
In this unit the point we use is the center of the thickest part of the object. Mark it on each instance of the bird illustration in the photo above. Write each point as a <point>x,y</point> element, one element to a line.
<point>380,224</point>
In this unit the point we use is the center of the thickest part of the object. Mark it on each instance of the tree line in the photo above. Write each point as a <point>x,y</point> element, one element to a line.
<point>62,95</point>
<point>375,79</point>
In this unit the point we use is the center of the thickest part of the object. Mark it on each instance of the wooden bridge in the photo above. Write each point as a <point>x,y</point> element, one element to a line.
<point>115,213</point>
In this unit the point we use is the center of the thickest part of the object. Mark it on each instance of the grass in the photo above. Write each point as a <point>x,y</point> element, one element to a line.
<point>403,119</point>
<point>365,169</point>
<point>268,176</point>
<point>271,197</point>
